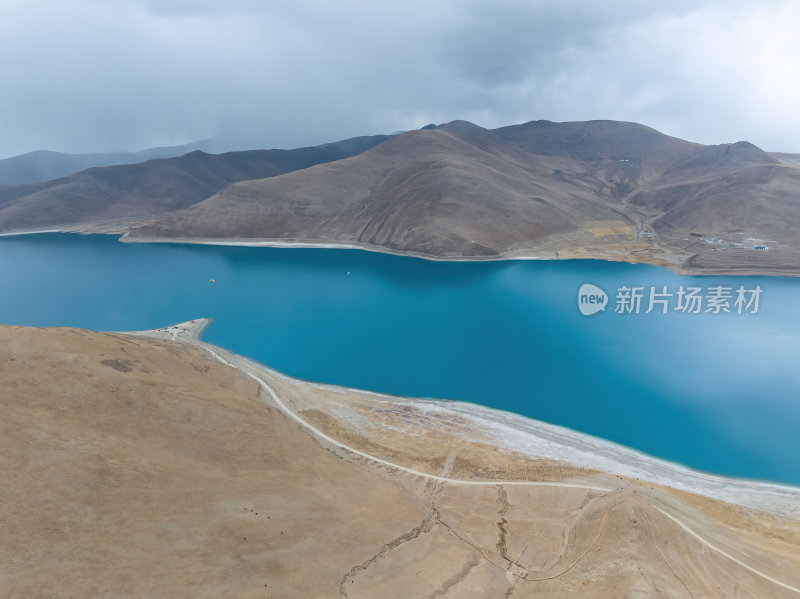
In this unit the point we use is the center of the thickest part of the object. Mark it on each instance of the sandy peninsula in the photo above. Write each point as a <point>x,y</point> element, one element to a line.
<point>152,464</point>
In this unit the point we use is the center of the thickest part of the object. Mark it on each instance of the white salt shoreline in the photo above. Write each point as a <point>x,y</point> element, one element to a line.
<point>366,247</point>
<point>511,432</point>
<point>276,243</point>
<point>514,432</point>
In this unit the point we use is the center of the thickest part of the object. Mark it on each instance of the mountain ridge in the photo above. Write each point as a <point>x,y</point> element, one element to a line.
<point>144,190</point>
<point>44,165</point>
<point>595,189</point>
<point>585,189</point>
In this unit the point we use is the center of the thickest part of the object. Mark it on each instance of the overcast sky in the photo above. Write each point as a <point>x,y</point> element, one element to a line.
<point>93,75</point>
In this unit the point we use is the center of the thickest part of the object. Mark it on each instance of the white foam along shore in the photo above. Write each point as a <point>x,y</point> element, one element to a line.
<point>515,433</point>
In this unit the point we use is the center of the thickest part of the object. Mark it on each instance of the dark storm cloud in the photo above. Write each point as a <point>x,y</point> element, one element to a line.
<point>86,75</point>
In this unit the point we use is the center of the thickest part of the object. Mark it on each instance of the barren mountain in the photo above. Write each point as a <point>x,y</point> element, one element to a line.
<point>136,466</point>
<point>599,189</point>
<point>43,165</point>
<point>457,190</point>
<point>135,192</point>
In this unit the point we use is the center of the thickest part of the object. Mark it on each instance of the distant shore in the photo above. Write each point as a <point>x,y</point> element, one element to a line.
<point>675,263</point>
<point>514,254</point>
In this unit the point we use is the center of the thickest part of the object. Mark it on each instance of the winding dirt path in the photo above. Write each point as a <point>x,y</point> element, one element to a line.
<point>246,369</point>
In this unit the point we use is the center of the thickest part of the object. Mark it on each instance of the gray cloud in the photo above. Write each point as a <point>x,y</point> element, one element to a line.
<point>86,75</point>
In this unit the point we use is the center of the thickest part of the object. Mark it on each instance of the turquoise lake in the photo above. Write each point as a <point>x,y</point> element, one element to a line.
<point>717,392</point>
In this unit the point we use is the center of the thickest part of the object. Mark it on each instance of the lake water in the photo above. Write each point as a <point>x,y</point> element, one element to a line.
<point>717,392</point>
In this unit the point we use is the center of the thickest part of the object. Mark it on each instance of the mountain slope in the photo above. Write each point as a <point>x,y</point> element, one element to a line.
<point>458,190</point>
<point>597,189</point>
<point>140,466</point>
<point>140,191</point>
<point>43,165</point>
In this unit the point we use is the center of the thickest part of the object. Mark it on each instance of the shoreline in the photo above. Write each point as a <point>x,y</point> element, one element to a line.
<point>582,450</point>
<point>510,432</point>
<point>508,256</point>
<point>233,465</point>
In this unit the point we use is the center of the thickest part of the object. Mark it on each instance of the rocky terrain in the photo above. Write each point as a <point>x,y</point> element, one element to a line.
<point>596,189</point>
<point>154,465</point>
<point>112,198</point>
